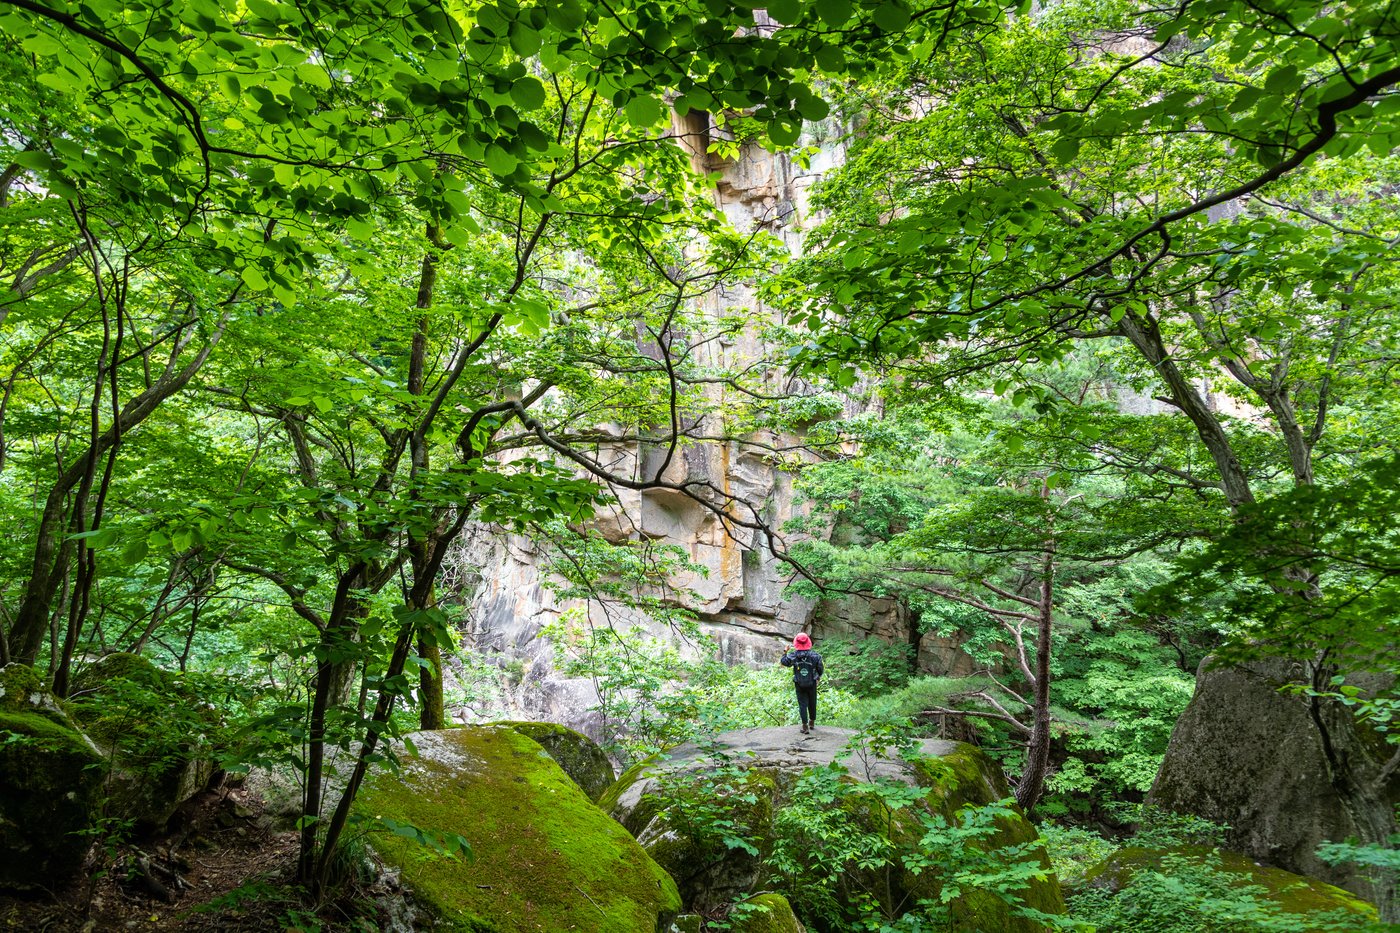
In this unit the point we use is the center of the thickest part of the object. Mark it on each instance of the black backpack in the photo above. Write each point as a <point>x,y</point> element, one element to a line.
<point>804,671</point>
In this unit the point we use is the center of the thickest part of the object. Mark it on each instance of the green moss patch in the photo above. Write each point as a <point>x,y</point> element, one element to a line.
<point>576,753</point>
<point>765,913</point>
<point>22,691</point>
<point>545,858</point>
<point>1296,894</point>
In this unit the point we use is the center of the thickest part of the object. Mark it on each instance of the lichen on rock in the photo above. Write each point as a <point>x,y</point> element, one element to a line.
<point>544,857</point>
<point>50,778</point>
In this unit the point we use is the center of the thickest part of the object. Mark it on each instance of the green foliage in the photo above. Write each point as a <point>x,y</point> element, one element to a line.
<point>1130,695</point>
<point>855,853</point>
<point>865,667</point>
<point>1186,894</point>
<point>1321,563</point>
<point>1379,862</point>
<point>714,808</point>
<point>1073,850</point>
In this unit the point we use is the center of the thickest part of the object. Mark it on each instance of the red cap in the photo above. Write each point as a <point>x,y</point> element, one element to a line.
<point>802,642</point>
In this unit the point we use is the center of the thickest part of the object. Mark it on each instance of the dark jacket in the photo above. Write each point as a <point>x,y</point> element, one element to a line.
<point>792,657</point>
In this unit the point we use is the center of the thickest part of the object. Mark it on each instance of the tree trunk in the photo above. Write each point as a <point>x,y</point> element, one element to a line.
<point>1032,783</point>
<point>431,714</point>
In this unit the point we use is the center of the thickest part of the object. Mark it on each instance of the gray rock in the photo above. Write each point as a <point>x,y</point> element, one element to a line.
<point>1246,755</point>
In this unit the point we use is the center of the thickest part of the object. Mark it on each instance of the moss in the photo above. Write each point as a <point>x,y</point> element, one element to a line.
<point>963,777</point>
<point>577,754</point>
<point>967,777</point>
<point>766,913</point>
<point>18,682</point>
<point>22,691</point>
<point>1297,894</point>
<point>122,665</point>
<point>544,857</point>
<point>50,775</point>
<point>155,728</point>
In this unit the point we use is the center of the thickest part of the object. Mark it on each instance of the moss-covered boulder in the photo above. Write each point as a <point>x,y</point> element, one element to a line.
<point>50,782</point>
<point>576,753</point>
<point>713,815</point>
<point>545,858</point>
<point>1290,893</point>
<point>765,913</point>
<point>155,729</point>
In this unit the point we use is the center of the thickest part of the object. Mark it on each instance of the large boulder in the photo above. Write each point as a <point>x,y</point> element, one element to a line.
<point>50,784</point>
<point>155,730</point>
<point>580,757</point>
<point>764,769</point>
<point>544,857</point>
<point>1248,756</point>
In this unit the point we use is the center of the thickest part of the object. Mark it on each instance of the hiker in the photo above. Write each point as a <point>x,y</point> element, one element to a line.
<point>807,669</point>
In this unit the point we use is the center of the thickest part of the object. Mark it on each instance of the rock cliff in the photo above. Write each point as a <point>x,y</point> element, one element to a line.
<point>740,597</point>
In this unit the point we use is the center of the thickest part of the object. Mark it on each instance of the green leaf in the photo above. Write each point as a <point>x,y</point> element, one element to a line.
<point>784,131</point>
<point>253,277</point>
<point>834,12</point>
<point>135,552</point>
<point>1065,149</point>
<point>524,40</point>
<point>528,93</point>
<point>499,161</point>
<point>643,111</point>
<point>891,16</point>
<point>787,12</point>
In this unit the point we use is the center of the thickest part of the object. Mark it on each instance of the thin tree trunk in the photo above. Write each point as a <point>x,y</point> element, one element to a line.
<point>52,552</point>
<point>330,643</point>
<point>431,714</point>
<point>1032,783</point>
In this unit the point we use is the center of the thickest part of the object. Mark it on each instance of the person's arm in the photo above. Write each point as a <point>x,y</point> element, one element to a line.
<point>787,659</point>
<point>821,668</point>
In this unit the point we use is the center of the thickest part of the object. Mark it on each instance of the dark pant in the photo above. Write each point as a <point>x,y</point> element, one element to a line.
<point>807,703</point>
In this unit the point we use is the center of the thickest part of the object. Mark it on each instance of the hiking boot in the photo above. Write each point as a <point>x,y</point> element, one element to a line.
<point>804,728</point>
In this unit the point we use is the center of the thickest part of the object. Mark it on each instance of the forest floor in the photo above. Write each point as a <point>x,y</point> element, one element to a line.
<point>223,868</point>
